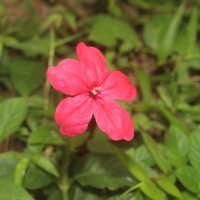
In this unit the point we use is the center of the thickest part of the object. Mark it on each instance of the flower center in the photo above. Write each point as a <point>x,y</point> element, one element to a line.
<point>94,92</point>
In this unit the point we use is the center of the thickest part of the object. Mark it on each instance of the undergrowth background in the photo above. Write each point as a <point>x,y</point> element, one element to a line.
<point>156,43</point>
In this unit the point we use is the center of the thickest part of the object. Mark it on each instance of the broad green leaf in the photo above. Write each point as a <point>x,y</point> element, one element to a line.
<point>36,178</point>
<point>143,157</point>
<point>82,193</point>
<point>194,149</point>
<point>12,114</point>
<point>178,146</point>
<point>20,170</point>
<point>188,196</point>
<point>142,120</point>
<point>142,154</point>
<point>161,36</point>
<point>98,171</point>
<point>108,30</point>
<point>35,46</point>
<point>54,195</point>
<point>102,143</point>
<point>26,75</point>
<point>45,164</point>
<point>43,135</point>
<point>10,191</point>
<point>135,169</point>
<point>189,178</point>
<point>152,146</point>
<point>168,186</point>
<point>101,180</point>
<point>8,162</point>
<point>154,31</point>
<point>152,191</point>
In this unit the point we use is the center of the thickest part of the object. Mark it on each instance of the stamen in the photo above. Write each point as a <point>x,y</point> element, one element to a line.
<point>94,92</point>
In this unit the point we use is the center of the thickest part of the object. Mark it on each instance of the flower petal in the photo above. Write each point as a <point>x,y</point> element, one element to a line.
<point>73,115</point>
<point>118,86</point>
<point>113,120</point>
<point>94,62</point>
<point>68,77</point>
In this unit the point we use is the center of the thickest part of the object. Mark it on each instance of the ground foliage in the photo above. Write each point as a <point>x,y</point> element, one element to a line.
<point>156,44</point>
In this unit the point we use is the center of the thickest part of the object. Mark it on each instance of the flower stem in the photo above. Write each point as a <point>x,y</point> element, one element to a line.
<point>64,187</point>
<point>130,190</point>
<point>65,184</point>
<point>50,63</point>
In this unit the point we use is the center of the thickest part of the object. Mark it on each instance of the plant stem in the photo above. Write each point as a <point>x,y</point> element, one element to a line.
<point>50,63</point>
<point>130,190</point>
<point>64,187</point>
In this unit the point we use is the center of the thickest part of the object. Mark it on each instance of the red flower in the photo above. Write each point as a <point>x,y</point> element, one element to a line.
<point>92,90</point>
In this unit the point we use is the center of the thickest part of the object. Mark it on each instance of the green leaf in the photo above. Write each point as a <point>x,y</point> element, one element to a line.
<point>10,191</point>
<point>172,118</point>
<point>96,170</point>
<point>148,187</point>
<point>8,162</point>
<point>114,9</point>
<point>143,157</point>
<point>168,186</point>
<point>189,177</point>
<point>142,154</point>
<point>194,149</point>
<point>171,33</point>
<point>43,135</point>
<point>186,42</point>
<point>154,31</point>
<point>101,181</point>
<point>34,46</point>
<point>45,164</point>
<point>152,191</point>
<point>12,114</point>
<point>187,46</point>
<point>142,120</point>
<point>81,193</point>
<point>102,143</point>
<point>164,95</point>
<point>192,31</point>
<point>26,75</point>
<point>178,146</point>
<point>20,170</point>
<point>188,196</point>
<point>36,178</point>
<point>152,146</point>
<point>54,194</point>
<point>135,169</point>
<point>75,142</point>
<point>108,30</point>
